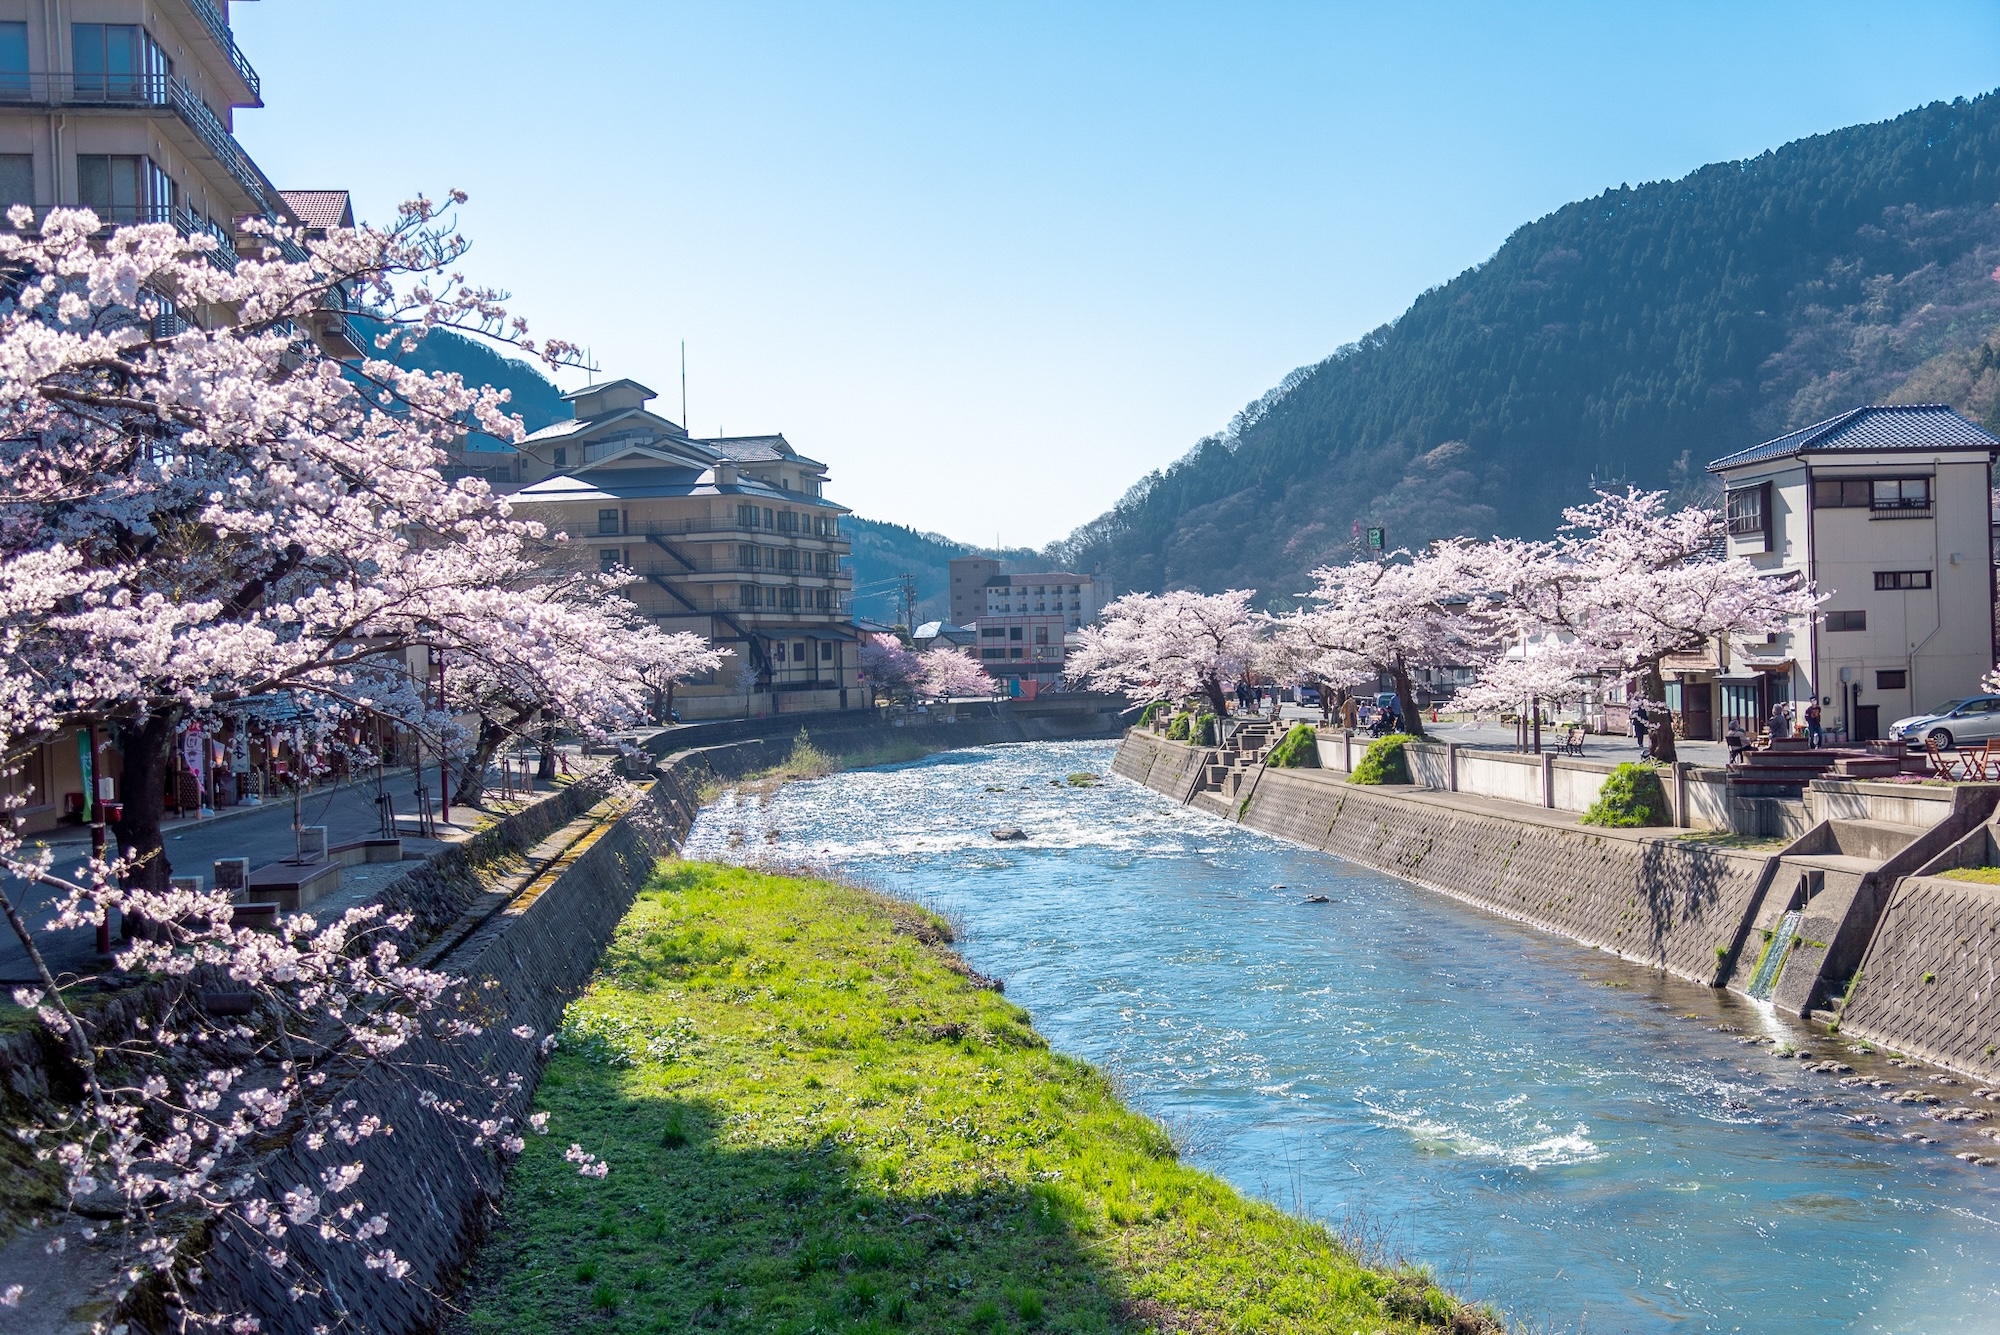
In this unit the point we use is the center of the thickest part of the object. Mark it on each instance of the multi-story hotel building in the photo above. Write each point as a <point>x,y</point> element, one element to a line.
<point>1021,621</point>
<point>730,537</point>
<point>126,107</point>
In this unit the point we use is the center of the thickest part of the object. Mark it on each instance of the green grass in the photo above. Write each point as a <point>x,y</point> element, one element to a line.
<point>816,1120</point>
<point>1983,875</point>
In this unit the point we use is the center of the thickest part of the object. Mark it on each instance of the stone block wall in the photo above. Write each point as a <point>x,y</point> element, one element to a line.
<point>1650,899</point>
<point>1930,981</point>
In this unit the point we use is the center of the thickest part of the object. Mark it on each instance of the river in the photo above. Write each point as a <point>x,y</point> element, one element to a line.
<point>1590,1146</point>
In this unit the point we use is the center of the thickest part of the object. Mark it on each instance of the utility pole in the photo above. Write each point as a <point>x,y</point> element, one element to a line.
<point>906,593</point>
<point>684,383</point>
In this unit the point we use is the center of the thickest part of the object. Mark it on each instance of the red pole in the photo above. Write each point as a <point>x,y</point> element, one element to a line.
<point>444,769</point>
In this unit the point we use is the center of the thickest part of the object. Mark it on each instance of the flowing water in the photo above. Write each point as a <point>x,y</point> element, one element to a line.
<point>1588,1145</point>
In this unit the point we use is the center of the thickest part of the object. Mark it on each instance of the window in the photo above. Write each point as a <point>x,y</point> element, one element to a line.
<point>1847,621</point>
<point>124,187</point>
<point>993,653</point>
<point>1841,493</point>
<point>777,651</point>
<point>788,597</point>
<point>1895,680</point>
<point>992,632</point>
<point>562,457</point>
<point>746,556</point>
<point>1901,494</point>
<point>119,62</point>
<point>17,177</point>
<point>825,646</point>
<point>788,559</point>
<point>1902,579</point>
<point>746,516</point>
<point>1013,632</point>
<point>769,522</point>
<point>13,60</point>
<point>607,558</point>
<point>799,651</point>
<point>1014,652</point>
<point>788,521</point>
<point>1750,516</point>
<point>748,595</point>
<point>607,521</point>
<point>1041,635</point>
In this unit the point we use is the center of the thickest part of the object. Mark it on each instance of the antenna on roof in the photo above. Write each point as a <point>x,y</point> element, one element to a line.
<point>684,382</point>
<point>589,367</point>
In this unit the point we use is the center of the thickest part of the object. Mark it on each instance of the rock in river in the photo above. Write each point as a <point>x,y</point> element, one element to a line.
<point>1009,833</point>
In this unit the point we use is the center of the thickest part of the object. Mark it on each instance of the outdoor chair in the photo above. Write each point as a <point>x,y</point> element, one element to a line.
<point>1981,765</point>
<point>1942,766</point>
<point>1572,743</point>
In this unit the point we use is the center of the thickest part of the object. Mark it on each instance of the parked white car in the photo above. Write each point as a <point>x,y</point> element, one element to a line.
<point>1974,718</point>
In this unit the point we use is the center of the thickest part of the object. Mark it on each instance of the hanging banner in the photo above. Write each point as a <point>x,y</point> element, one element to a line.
<point>83,762</point>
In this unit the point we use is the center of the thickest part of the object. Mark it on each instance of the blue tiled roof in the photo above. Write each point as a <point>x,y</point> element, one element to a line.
<point>1915,426</point>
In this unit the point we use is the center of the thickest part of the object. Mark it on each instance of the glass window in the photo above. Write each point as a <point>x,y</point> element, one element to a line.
<point>746,515</point>
<point>607,521</point>
<point>117,62</point>
<point>1841,493</point>
<point>607,558</point>
<point>769,522</point>
<point>798,651</point>
<point>13,59</point>
<point>1901,493</point>
<point>17,178</point>
<point>1892,680</point>
<point>1847,621</point>
<point>1902,579</point>
<point>1749,510</point>
<point>1013,632</point>
<point>562,457</point>
<point>825,646</point>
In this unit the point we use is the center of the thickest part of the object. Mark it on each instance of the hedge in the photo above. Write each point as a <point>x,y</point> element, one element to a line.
<point>1384,761</point>
<point>1632,796</point>
<point>1299,749</point>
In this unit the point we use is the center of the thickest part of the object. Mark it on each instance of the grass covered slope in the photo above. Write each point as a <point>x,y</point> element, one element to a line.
<point>818,1119</point>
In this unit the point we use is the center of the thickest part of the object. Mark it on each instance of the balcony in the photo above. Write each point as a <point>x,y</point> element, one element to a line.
<point>218,28</point>
<point>151,93</point>
<point>770,536</point>
<point>729,565</point>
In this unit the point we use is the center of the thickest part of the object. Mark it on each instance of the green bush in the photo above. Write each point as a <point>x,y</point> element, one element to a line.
<point>1632,796</point>
<point>1384,761</point>
<point>1153,711</point>
<point>1299,749</point>
<point>1202,731</point>
<point>1177,727</point>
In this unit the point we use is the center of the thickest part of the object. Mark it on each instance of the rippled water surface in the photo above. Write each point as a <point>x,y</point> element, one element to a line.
<point>1587,1145</point>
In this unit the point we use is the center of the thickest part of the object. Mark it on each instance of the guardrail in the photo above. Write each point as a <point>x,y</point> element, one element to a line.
<point>218,28</point>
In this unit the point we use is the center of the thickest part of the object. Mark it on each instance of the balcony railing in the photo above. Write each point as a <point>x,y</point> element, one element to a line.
<point>218,28</point>
<point>730,565</point>
<point>770,536</point>
<point>162,91</point>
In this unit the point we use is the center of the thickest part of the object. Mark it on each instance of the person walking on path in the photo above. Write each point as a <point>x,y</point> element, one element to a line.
<point>1639,728</point>
<point>1812,724</point>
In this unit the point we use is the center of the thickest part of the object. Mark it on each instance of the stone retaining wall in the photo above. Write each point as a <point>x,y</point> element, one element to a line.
<point>1930,980</point>
<point>1648,898</point>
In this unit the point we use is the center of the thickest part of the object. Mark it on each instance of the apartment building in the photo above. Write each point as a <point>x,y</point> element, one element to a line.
<point>127,107</point>
<point>1887,511</point>
<point>1021,622</point>
<point>731,537</point>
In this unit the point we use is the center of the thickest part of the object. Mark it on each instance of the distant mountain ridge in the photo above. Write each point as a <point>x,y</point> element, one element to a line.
<point>1627,338</point>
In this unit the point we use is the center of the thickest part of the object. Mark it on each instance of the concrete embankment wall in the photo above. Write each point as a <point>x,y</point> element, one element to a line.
<point>528,954</point>
<point>1645,897</point>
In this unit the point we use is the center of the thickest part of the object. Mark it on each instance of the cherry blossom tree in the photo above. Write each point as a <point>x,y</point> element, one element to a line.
<point>887,668</point>
<point>947,672</point>
<point>1393,617</point>
<point>198,515</point>
<point>1170,645</point>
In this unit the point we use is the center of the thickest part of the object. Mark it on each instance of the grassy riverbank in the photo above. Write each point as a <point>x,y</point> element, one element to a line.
<point>818,1119</point>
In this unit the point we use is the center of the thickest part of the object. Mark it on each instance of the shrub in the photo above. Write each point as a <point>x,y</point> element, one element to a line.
<point>1202,731</point>
<point>1177,727</point>
<point>1153,711</point>
<point>1384,761</point>
<point>1632,796</point>
<point>1299,749</point>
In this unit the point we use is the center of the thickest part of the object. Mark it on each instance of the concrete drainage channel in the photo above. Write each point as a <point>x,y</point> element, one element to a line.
<point>528,937</point>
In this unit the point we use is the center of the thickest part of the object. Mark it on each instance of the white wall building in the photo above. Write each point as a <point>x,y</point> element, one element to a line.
<point>1887,511</point>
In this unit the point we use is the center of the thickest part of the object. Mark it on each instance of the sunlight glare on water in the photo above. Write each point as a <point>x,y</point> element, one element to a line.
<point>1588,1145</point>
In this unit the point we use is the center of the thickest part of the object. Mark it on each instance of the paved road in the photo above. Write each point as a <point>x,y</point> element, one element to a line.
<point>263,834</point>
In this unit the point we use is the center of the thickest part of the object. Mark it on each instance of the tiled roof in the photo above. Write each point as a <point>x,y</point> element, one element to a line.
<point>320,208</point>
<point>1877,427</point>
<point>750,449</point>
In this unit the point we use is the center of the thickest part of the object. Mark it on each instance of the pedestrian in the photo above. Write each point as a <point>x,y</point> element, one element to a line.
<point>1781,722</point>
<point>1350,714</point>
<point>1639,728</point>
<point>1812,724</point>
<point>1739,745</point>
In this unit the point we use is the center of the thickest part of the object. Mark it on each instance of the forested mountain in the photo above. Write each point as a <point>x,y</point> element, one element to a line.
<point>883,553</point>
<point>536,398</point>
<point>1628,338</point>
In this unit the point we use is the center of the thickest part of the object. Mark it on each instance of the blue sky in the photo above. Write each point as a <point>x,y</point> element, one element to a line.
<point>994,263</point>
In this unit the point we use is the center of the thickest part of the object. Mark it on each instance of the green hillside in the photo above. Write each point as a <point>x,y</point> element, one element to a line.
<point>536,399</point>
<point>884,552</point>
<point>1628,338</point>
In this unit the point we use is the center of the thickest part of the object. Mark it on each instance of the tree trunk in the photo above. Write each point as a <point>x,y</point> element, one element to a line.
<point>492,735</point>
<point>1406,700</point>
<point>545,770</point>
<point>147,750</point>
<point>1217,701</point>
